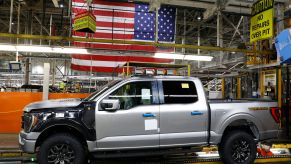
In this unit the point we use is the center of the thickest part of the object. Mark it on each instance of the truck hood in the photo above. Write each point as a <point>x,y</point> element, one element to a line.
<point>60,103</point>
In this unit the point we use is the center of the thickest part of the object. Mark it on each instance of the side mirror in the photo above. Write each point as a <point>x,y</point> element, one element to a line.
<point>110,104</point>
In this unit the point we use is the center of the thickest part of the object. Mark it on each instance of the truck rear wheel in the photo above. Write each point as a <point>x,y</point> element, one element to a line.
<point>237,147</point>
<point>61,148</point>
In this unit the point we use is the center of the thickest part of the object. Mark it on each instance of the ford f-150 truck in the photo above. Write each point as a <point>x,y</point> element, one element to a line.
<point>146,116</point>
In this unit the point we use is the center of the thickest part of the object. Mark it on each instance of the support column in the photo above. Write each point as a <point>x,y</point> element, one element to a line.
<point>238,88</point>
<point>18,27</point>
<point>11,16</point>
<point>223,87</point>
<point>54,72</point>
<point>262,88</point>
<point>279,17</point>
<point>279,84</point>
<point>287,101</point>
<point>51,22</point>
<point>184,32</point>
<point>70,16</point>
<point>46,81</point>
<point>65,68</point>
<point>27,72</point>
<point>219,33</point>
<point>198,43</point>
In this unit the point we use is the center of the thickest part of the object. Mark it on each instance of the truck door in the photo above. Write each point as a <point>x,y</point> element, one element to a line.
<point>135,124</point>
<point>183,113</point>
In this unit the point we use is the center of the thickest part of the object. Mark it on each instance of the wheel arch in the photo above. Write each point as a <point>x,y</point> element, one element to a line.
<point>61,128</point>
<point>243,122</point>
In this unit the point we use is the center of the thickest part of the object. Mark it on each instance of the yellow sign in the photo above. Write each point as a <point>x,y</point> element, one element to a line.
<point>85,22</point>
<point>262,20</point>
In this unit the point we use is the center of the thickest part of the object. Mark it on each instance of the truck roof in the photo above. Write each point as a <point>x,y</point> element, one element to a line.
<point>162,77</point>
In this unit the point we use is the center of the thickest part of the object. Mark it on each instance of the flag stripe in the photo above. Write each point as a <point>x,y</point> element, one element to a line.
<point>104,35</point>
<point>117,20</point>
<point>104,12</point>
<point>121,58</point>
<point>116,46</point>
<point>115,25</point>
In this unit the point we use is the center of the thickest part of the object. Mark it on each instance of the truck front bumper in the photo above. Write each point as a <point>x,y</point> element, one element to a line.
<point>27,141</point>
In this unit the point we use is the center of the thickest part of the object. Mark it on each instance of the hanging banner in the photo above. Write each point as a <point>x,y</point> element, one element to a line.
<point>261,20</point>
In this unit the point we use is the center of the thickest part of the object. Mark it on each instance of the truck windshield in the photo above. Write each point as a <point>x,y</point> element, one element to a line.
<point>101,90</point>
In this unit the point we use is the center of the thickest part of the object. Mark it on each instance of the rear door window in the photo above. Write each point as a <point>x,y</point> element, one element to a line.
<point>179,92</point>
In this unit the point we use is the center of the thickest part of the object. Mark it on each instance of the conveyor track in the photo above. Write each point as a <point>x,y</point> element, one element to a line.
<point>169,159</point>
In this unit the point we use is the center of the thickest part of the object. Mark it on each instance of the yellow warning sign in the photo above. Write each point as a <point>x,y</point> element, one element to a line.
<point>262,20</point>
<point>85,22</point>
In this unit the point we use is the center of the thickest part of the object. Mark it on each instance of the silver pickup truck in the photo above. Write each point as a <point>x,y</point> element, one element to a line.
<point>146,116</point>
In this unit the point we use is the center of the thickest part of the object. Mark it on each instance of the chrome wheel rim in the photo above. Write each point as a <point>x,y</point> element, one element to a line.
<point>61,154</point>
<point>241,151</point>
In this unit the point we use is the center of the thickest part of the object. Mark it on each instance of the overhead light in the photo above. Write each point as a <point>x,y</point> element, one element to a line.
<point>7,48</point>
<point>43,49</point>
<point>199,17</point>
<point>61,5</point>
<point>182,57</point>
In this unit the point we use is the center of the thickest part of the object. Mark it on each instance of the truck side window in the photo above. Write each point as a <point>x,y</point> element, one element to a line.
<point>134,94</point>
<point>179,92</point>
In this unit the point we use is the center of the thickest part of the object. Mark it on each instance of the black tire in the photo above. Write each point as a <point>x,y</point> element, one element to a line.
<point>61,147</point>
<point>237,147</point>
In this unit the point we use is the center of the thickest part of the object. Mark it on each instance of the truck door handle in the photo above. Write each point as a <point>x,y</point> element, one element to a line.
<point>195,113</point>
<point>148,115</point>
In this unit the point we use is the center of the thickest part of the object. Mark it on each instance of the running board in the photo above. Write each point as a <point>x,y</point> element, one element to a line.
<point>142,153</point>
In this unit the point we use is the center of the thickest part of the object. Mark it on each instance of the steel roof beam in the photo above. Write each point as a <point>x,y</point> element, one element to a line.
<point>91,40</point>
<point>203,5</point>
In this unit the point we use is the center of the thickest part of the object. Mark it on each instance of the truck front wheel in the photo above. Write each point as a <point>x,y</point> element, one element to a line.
<point>61,148</point>
<point>237,147</point>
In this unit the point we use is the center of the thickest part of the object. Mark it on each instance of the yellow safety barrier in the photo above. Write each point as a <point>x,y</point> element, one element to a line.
<point>281,146</point>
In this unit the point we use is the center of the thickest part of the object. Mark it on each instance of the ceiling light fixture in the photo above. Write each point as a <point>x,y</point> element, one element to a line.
<point>183,57</point>
<point>43,49</point>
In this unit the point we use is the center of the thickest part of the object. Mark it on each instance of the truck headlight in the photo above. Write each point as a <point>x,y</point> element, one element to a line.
<point>30,120</point>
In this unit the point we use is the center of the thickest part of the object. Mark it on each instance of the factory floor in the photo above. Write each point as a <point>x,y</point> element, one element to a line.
<point>11,154</point>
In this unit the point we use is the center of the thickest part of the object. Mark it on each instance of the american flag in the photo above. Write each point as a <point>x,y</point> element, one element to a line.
<point>123,21</point>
